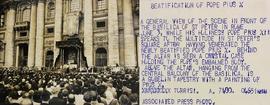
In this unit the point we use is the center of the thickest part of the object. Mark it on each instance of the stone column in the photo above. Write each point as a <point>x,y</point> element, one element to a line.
<point>113,33</point>
<point>129,37</point>
<point>32,35</point>
<point>40,32</point>
<point>88,31</point>
<point>17,55</point>
<point>9,37</point>
<point>58,26</point>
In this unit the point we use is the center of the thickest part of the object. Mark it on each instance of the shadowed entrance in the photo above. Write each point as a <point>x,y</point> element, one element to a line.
<point>71,54</point>
<point>101,57</point>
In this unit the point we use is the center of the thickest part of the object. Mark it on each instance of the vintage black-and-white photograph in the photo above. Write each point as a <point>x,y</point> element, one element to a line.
<point>69,52</point>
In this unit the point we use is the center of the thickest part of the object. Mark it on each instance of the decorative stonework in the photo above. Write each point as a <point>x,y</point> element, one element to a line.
<point>23,11</point>
<point>50,11</point>
<point>75,6</point>
<point>49,43</point>
<point>101,44</point>
<point>100,38</point>
<point>22,26</point>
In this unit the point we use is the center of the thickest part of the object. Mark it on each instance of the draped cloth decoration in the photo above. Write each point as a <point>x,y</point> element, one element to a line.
<point>71,24</point>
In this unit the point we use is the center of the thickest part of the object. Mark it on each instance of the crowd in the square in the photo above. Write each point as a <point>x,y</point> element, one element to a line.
<point>33,87</point>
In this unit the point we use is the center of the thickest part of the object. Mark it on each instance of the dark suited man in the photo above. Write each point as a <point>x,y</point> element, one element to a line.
<point>45,97</point>
<point>90,98</point>
<point>55,99</point>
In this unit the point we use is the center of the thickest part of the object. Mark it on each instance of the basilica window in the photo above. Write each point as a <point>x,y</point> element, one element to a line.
<point>23,34</point>
<point>23,12</point>
<point>101,24</point>
<point>26,14</point>
<point>2,20</point>
<point>1,50</point>
<point>50,30</point>
<point>101,4</point>
<point>51,10</point>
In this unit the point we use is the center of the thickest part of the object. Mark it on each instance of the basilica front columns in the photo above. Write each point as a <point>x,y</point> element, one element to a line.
<point>113,33</point>
<point>32,35</point>
<point>88,32</point>
<point>129,36</point>
<point>58,26</point>
<point>39,35</point>
<point>9,37</point>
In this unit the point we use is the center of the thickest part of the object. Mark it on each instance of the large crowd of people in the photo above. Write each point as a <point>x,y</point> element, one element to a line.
<point>34,87</point>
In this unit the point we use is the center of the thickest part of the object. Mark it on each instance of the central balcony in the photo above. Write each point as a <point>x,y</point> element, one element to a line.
<point>22,26</point>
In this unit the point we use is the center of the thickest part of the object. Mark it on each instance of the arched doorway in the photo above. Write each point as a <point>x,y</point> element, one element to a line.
<point>101,57</point>
<point>49,59</point>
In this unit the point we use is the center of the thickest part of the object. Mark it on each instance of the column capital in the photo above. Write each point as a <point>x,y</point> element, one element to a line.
<point>41,1</point>
<point>4,7</point>
<point>34,2</point>
<point>12,4</point>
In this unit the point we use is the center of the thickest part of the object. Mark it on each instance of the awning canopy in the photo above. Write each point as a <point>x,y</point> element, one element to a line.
<point>71,42</point>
